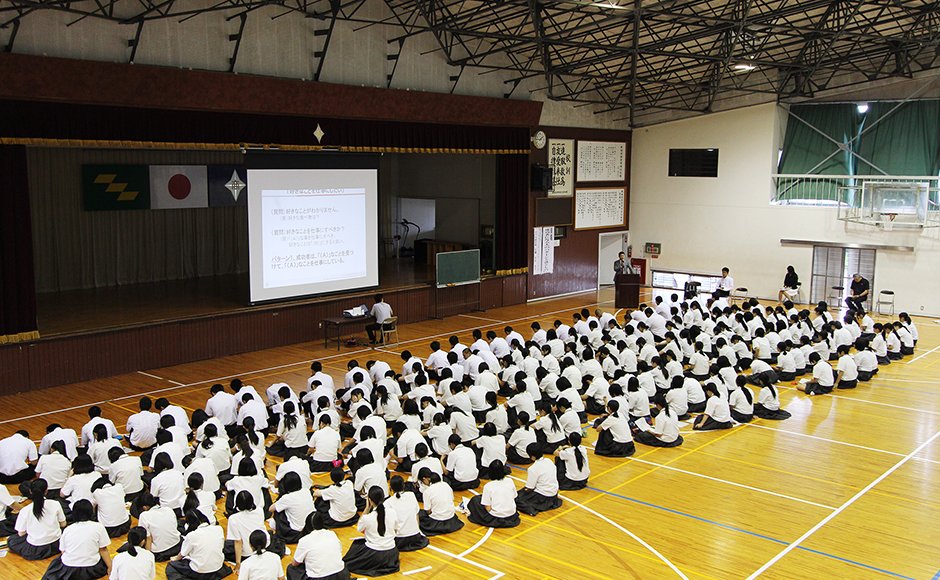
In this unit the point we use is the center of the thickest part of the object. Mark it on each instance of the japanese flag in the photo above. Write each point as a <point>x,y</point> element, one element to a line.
<point>178,186</point>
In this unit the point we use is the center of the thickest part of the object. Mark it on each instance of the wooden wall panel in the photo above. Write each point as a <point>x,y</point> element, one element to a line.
<point>158,345</point>
<point>14,369</point>
<point>576,257</point>
<point>491,293</point>
<point>514,290</point>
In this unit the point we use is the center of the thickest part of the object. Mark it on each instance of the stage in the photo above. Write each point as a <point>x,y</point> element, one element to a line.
<point>92,334</point>
<point>119,306</point>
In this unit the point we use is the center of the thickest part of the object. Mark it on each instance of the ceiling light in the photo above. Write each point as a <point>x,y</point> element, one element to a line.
<point>744,67</point>
<point>862,108</point>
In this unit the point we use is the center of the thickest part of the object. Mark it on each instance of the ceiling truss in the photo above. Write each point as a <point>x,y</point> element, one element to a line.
<point>638,57</point>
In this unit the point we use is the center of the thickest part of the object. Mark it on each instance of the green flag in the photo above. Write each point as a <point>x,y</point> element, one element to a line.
<point>111,187</point>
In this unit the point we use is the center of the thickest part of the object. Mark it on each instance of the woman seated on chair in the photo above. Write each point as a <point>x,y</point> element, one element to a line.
<point>791,286</point>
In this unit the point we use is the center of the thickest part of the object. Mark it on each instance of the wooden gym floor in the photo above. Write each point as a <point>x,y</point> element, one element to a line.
<point>849,487</point>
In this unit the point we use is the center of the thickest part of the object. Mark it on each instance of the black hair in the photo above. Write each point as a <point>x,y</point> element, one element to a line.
<point>209,432</point>
<point>258,541</point>
<point>82,464</point>
<point>289,483</point>
<point>247,467</point>
<point>574,439</point>
<point>136,538</point>
<point>244,501</point>
<point>377,497</point>
<point>397,485</point>
<point>83,511</point>
<point>288,416</point>
<point>496,470</point>
<point>37,493</point>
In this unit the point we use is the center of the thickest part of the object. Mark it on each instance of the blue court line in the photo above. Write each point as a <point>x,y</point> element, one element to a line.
<point>936,576</point>
<point>934,393</point>
<point>726,526</point>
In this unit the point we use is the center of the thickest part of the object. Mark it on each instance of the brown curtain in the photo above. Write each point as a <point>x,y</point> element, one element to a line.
<point>512,192</point>
<point>17,289</point>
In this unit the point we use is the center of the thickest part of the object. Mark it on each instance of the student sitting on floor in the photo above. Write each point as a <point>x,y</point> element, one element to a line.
<point>38,526</point>
<point>541,488</point>
<point>133,561</point>
<point>460,469</point>
<point>375,554</point>
<point>291,509</point>
<point>201,555</point>
<point>768,404</point>
<point>823,377</point>
<point>572,464</point>
<point>846,370</point>
<point>319,554</point>
<point>84,546</point>
<point>337,502</point>
<point>614,438</point>
<point>741,401</point>
<point>717,413</point>
<point>408,537</point>
<point>262,565</point>
<point>438,516</point>
<point>664,431</point>
<point>496,507</point>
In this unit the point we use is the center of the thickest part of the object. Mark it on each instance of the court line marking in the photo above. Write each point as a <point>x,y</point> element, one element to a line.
<point>284,366</point>
<point>151,376</point>
<point>481,318</point>
<point>497,573</point>
<point>864,401</point>
<point>935,349</point>
<point>736,484</point>
<point>841,508</point>
<point>743,531</point>
<point>622,529</point>
<point>485,537</point>
<point>410,572</point>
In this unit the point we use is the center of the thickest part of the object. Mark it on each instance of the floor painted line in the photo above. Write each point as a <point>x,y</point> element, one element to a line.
<point>841,508</point>
<point>936,576</point>
<point>497,573</point>
<point>734,484</point>
<point>866,401</point>
<point>486,536</point>
<point>622,529</point>
<point>915,359</point>
<point>151,376</point>
<point>732,528</point>
<point>493,320</point>
<point>878,378</point>
<point>175,383</point>
<point>410,572</point>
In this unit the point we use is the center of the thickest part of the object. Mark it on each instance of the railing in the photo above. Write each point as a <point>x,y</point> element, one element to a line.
<point>831,190</point>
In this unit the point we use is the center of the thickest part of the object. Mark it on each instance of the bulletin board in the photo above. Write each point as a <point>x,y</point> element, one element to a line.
<point>602,161</point>
<point>600,208</point>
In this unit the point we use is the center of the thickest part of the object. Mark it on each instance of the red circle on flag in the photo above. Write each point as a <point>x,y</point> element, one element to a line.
<point>179,186</point>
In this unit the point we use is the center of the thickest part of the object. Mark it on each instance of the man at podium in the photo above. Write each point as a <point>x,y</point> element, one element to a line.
<point>622,266</point>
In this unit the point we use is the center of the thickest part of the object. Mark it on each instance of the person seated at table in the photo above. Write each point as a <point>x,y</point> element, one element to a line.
<point>381,311</point>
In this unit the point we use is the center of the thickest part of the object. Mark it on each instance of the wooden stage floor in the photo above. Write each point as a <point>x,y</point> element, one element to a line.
<point>849,487</point>
<point>83,310</point>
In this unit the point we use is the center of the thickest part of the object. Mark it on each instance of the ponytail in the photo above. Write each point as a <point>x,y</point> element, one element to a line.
<point>37,493</point>
<point>575,440</point>
<point>748,395</point>
<point>377,497</point>
<point>135,538</point>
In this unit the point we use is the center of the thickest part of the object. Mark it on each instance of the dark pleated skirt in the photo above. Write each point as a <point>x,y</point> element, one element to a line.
<point>866,376</point>
<point>431,527</point>
<point>593,407</point>
<point>118,531</point>
<point>361,559</point>
<point>18,545</point>
<point>481,517</point>
<point>59,571</point>
<point>284,531</point>
<point>320,466</point>
<point>412,543</point>
<point>275,546</point>
<point>461,485</point>
<point>784,377</point>
<point>180,570</point>
<point>564,482</point>
<point>329,523</point>
<point>696,407</point>
<point>848,384</point>
<point>300,573</point>
<point>515,458</point>
<point>8,525</point>
<point>710,424</point>
<point>532,503</point>
<point>165,555</point>
<point>607,447</point>
<point>647,438</point>
<point>765,413</point>
<point>883,360</point>
<point>741,417</point>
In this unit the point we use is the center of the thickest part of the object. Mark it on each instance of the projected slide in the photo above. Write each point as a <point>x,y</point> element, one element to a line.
<point>311,231</point>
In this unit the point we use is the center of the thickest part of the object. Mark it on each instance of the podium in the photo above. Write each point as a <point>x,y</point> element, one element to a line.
<point>627,288</point>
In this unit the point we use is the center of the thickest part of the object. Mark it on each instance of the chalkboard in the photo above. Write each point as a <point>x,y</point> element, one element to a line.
<point>455,268</point>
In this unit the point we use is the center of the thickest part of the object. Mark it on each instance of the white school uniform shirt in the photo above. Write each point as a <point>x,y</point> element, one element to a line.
<point>342,500</point>
<point>678,401</point>
<point>297,505</point>
<point>432,463</point>
<point>438,434</point>
<point>161,525</point>
<point>241,524</point>
<point>439,501</point>
<point>98,450</point>
<point>68,436</point>
<point>571,463</point>
<point>786,362</point>
<point>203,546</point>
<point>458,350</point>
<point>639,406</point>
<point>761,347</point>
<point>127,471</point>
<point>368,526</point>
<point>498,417</point>
<point>45,529</point>
<point>799,359</point>
<point>55,469</point>
<point>325,389</point>
<point>822,372</point>
<point>326,445</point>
<point>296,465</point>
<point>210,474</point>
<point>520,440</point>
<point>848,367</point>
<point>666,426</point>
<point>321,552</point>
<point>219,453</point>
<point>465,426</point>
<point>253,484</point>
<point>88,436</point>
<point>539,338</point>
<point>263,566</point>
<point>499,496</point>
<point>80,543</point>
<point>223,406</point>
<point>15,452</point>
<point>79,487</point>
<point>619,427</point>
<point>111,509</point>
<point>437,360</point>
<point>179,415</point>
<point>647,383</point>
<point>693,390</point>
<point>543,477</point>
<point>865,360</point>
<point>381,311</point>
<point>369,476</point>
<point>768,399</point>
<point>738,401</point>
<point>256,410</point>
<point>718,409</point>
<point>494,447</point>
<point>170,487</point>
<point>140,566</point>
<point>406,510</point>
<point>462,464</point>
<point>142,428</point>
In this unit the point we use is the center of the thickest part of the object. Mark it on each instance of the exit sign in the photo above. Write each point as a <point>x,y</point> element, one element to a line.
<point>654,248</point>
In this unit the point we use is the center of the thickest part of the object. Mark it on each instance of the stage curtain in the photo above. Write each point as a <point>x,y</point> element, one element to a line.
<point>17,288</point>
<point>512,201</point>
<point>76,249</point>
<point>901,140</point>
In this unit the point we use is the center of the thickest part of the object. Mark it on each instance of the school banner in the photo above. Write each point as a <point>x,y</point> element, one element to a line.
<point>115,187</point>
<point>228,185</point>
<point>178,186</point>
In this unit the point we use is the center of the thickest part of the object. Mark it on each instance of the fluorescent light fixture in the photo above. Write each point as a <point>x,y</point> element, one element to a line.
<point>744,67</point>
<point>862,108</point>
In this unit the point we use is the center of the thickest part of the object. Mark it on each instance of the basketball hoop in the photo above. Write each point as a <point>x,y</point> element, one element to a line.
<point>888,224</point>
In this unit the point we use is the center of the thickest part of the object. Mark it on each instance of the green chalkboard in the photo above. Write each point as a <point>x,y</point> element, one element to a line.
<point>458,267</point>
